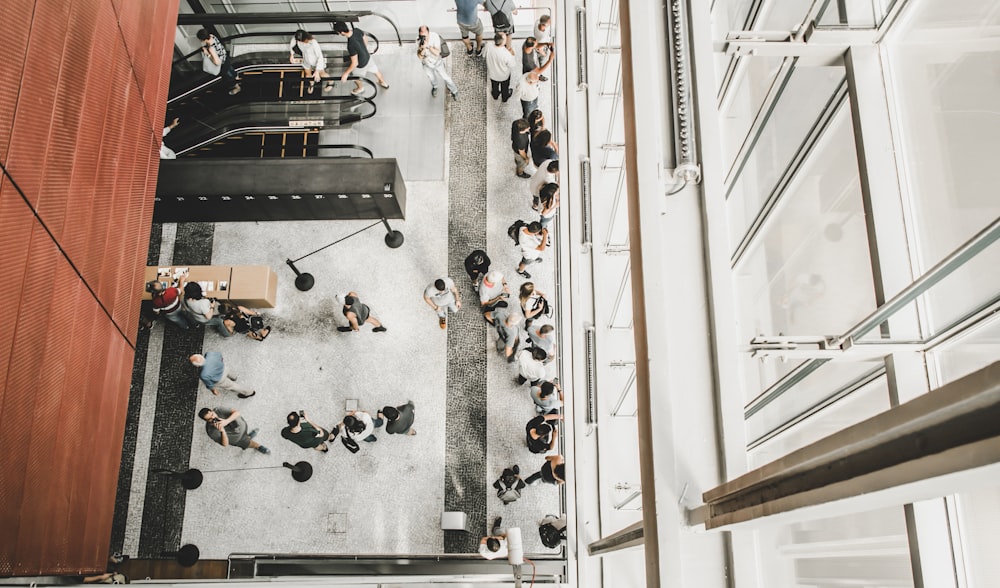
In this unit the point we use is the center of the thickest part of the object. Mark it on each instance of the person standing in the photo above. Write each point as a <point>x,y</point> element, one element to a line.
<point>547,173</point>
<point>357,314</point>
<point>226,427</point>
<point>205,310</point>
<point>533,240</point>
<point>476,265</point>
<point>502,14</point>
<point>547,396</point>
<point>492,294</point>
<point>167,152</point>
<point>540,434</point>
<point>358,424</point>
<point>500,64</point>
<point>509,332</point>
<point>214,374</point>
<point>544,338</point>
<point>519,140</point>
<point>494,545</point>
<point>469,24</point>
<point>398,420</point>
<point>533,302</point>
<point>543,36</point>
<point>305,433</point>
<point>443,296</point>
<point>531,366</point>
<point>167,302</point>
<point>543,147</point>
<point>429,53</point>
<point>362,62</point>
<point>548,201</point>
<point>553,471</point>
<point>213,50</point>
<point>313,61</point>
<point>528,89</point>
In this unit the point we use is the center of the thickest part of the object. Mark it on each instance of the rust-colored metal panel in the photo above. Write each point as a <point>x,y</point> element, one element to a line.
<point>87,159</point>
<point>14,27</point>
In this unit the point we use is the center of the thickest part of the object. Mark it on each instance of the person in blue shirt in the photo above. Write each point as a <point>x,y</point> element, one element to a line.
<point>469,24</point>
<point>215,376</point>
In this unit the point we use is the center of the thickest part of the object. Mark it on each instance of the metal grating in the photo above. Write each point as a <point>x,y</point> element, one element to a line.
<point>590,350</point>
<point>581,48</point>
<point>588,204</point>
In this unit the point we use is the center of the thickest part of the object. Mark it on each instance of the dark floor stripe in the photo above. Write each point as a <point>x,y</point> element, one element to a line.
<point>163,509</point>
<point>465,462</point>
<point>132,418</point>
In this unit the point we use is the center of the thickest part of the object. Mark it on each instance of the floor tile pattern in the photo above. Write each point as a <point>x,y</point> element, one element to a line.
<point>163,509</point>
<point>465,462</point>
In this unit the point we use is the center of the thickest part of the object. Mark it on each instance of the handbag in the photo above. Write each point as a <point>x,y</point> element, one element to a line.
<point>209,67</point>
<point>350,444</point>
<point>445,51</point>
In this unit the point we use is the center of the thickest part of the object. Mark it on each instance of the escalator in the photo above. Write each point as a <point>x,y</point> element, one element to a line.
<point>274,115</point>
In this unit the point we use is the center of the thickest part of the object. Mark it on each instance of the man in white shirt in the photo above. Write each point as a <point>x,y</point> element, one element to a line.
<point>429,53</point>
<point>500,65</point>
<point>533,240</point>
<point>494,545</point>
<point>443,296</point>
<point>531,366</point>
<point>492,292</point>
<point>547,173</point>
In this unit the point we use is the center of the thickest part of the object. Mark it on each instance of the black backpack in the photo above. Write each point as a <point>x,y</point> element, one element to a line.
<point>514,231</point>
<point>550,535</point>
<point>501,23</point>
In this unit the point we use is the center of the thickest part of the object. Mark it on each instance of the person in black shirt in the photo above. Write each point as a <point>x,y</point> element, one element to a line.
<point>361,59</point>
<point>543,147</point>
<point>540,434</point>
<point>477,264</point>
<point>519,140</point>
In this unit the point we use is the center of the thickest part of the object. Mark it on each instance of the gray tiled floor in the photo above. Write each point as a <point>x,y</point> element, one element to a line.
<point>387,499</point>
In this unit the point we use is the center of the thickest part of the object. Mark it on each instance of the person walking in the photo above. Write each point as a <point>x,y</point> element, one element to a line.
<point>500,65</point>
<point>357,314</point>
<point>443,296</point>
<point>469,24</point>
<point>305,433</point>
<point>398,420</point>
<point>477,264</point>
<point>362,62</point>
<point>216,376</point>
<point>429,53</point>
<point>226,427</point>
<point>213,50</point>
<point>313,61</point>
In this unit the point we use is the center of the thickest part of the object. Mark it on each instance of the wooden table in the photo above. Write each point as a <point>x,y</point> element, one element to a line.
<point>255,286</point>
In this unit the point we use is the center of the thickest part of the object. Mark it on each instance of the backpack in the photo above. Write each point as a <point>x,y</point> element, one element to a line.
<point>445,51</point>
<point>501,23</point>
<point>514,231</point>
<point>550,535</point>
<point>508,492</point>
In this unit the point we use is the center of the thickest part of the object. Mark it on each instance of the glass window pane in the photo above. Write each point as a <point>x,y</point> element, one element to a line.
<point>816,388</point>
<point>978,349</point>
<point>744,100</point>
<point>808,272</point>
<point>944,60</point>
<point>782,15</point>
<point>864,549</point>
<point>802,100</point>
<point>864,402</point>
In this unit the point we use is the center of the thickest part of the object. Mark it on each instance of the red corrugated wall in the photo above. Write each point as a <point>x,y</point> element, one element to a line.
<point>83,91</point>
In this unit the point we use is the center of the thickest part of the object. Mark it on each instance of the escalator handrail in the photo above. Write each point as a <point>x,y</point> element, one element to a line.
<point>342,146</point>
<point>251,68</point>
<point>271,129</point>
<point>238,130</point>
<point>225,40</point>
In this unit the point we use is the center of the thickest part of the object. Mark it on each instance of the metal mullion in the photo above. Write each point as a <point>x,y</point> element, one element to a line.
<point>767,106</point>
<point>837,395</point>
<point>820,126</point>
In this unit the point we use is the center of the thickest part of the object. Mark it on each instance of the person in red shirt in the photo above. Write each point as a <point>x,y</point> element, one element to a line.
<point>167,302</point>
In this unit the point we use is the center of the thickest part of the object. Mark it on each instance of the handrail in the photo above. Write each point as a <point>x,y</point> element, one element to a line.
<point>276,129</point>
<point>224,40</point>
<point>264,67</point>
<point>341,146</point>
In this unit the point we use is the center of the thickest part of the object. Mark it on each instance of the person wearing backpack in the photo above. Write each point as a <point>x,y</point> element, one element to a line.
<point>509,485</point>
<point>502,14</point>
